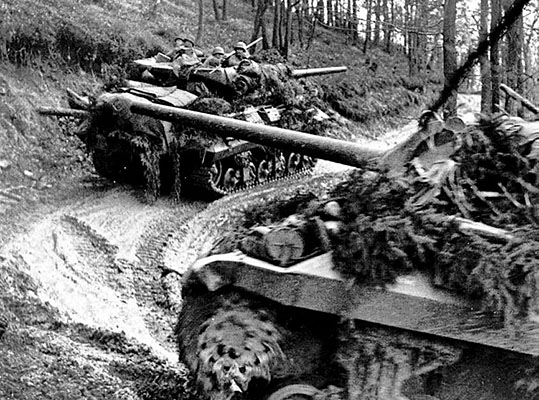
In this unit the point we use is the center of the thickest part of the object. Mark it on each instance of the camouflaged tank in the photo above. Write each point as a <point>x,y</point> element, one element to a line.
<point>164,156</point>
<point>283,317</point>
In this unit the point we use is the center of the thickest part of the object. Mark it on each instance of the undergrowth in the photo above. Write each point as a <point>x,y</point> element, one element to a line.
<point>74,34</point>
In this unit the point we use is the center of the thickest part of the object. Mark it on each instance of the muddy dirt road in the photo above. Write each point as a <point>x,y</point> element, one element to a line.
<point>99,276</point>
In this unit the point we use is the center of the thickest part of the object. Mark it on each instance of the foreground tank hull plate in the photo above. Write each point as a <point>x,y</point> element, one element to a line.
<point>314,285</point>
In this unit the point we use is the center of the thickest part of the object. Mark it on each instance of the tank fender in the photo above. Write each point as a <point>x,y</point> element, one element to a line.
<point>311,284</point>
<point>411,303</point>
<point>214,272</point>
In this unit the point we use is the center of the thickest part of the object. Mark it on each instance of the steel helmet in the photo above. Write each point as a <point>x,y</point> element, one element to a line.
<point>241,45</point>
<point>189,38</point>
<point>218,50</point>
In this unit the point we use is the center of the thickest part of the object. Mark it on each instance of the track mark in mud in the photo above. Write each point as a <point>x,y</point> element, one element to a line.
<point>90,256</point>
<point>96,259</point>
<point>149,276</point>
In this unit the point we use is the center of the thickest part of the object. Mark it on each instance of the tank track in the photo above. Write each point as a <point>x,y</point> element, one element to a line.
<point>257,345</point>
<point>201,180</point>
<point>239,344</point>
<point>274,352</point>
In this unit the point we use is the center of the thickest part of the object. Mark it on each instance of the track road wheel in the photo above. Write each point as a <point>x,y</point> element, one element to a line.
<point>309,162</point>
<point>293,163</point>
<point>263,171</point>
<point>295,392</point>
<point>231,180</point>
<point>280,165</point>
<point>216,172</point>
<point>250,175</point>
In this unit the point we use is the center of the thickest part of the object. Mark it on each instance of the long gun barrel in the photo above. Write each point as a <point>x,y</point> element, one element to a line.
<point>63,112</point>
<point>302,73</point>
<point>315,146</point>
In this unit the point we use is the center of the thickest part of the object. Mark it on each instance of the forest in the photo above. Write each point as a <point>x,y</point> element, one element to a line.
<point>433,35</point>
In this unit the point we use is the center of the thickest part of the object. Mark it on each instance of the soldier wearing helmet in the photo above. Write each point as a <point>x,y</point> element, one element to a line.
<point>216,58</point>
<point>183,65</point>
<point>177,50</point>
<point>240,53</point>
<point>188,57</point>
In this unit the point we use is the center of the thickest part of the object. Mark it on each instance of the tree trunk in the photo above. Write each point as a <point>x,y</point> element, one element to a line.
<point>495,57</point>
<point>288,31</point>
<point>330,13</point>
<point>407,18</point>
<point>276,24</point>
<point>450,55</point>
<point>259,23</point>
<point>216,10</point>
<point>385,17</point>
<point>496,33</point>
<point>390,27</point>
<point>422,20</point>
<point>377,17</point>
<point>412,43</point>
<point>486,84</point>
<point>355,23</point>
<point>282,26</point>
<point>368,26</point>
<point>224,14</point>
<point>299,18</point>
<point>319,12</point>
<point>514,60</point>
<point>528,55</point>
<point>200,30</point>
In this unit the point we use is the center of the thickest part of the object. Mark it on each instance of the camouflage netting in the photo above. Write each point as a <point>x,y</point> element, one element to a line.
<point>271,85</point>
<point>120,140</point>
<point>298,98</point>
<point>189,137</point>
<point>392,226</point>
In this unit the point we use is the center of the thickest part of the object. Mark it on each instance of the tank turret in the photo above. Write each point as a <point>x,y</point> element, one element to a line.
<point>228,82</point>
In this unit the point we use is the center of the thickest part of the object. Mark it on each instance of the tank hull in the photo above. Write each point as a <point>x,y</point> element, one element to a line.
<point>160,156</point>
<point>406,340</point>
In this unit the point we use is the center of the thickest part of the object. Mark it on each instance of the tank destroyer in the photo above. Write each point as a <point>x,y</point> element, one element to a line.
<point>147,151</point>
<point>403,284</point>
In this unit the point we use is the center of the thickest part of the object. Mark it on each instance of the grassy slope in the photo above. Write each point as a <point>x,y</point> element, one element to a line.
<point>48,45</point>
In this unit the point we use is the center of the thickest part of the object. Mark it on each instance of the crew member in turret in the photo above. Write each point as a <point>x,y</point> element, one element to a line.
<point>183,65</point>
<point>188,57</point>
<point>177,50</point>
<point>216,58</point>
<point>240,53</point>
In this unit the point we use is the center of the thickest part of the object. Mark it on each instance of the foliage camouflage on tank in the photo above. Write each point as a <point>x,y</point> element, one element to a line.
<point>417,282</point>
<point>163,157</point>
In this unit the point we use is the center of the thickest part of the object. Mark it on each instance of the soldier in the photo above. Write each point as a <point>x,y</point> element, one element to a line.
<point>177,50</point>
<point>188,57</point>
<point>240,53</point>
<point>183,65</point>
<point>216,57</point>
